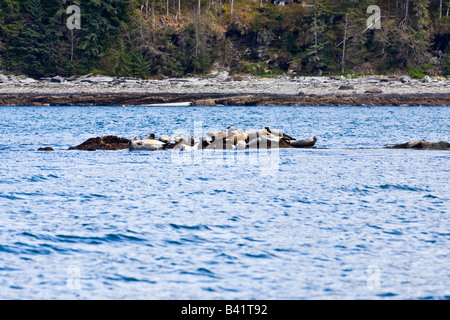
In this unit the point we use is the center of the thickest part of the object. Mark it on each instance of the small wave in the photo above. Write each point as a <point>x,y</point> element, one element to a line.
<point>387,294</point>
<point>122,237</point>
<point>394,232</point>
<point>119,277</point>
<point>253,240</point>
<point>178,243</point>
<point>225,256</point>
<point>431,196</point>
<point>260,256</point>
<point>400,187</point>
<point>34,250</point>
<point>4,147</point>
<point>374,227</point>
<point>98,240</point>
<point>196,227</point>
<point>27,234</point>
<point>194,239</point>
<point>11,181</point>
<point>284,250</point>
<point>201,272</point>
<point>36,178</point>
<point>9,197</point>
<point>6,249</point>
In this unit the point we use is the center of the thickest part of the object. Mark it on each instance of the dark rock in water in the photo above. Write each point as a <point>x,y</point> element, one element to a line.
<point>103,143</point>
<point>423,144</point>
<point>46,149</point>
<point>346,87</point>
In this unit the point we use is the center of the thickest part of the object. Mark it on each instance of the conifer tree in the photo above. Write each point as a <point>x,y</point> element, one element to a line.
<point>30,47</point>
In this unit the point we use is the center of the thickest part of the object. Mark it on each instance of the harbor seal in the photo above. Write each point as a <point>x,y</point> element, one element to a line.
<point>186,147</point>
<point>241,145</point>
<point>217,134</point>
<point>305,143</point>
<point>191,140</point>
<point>280,134</point>
<point>263,142</point>
<point>164,138</point>
<point>237,137</point>
<point>180,142</point>
<point>147,144</point>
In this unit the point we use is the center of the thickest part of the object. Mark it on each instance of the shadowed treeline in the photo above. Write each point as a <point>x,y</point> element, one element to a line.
<point>157,38</point>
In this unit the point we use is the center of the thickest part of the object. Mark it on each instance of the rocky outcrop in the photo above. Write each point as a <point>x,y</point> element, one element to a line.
<point>128,99</point>
<point>103,143</point>
<point>422,144</point>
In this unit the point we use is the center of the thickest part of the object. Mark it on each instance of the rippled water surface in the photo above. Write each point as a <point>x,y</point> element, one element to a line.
<point>346,220</point>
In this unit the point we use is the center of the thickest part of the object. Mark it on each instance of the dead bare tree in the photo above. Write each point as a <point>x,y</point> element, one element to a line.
<point>344,44</point>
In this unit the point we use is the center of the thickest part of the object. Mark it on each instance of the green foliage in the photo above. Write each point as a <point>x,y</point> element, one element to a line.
<point>415,72</point>
<point>32,44</point>
<point>446,61</point>
<point>137,38</point>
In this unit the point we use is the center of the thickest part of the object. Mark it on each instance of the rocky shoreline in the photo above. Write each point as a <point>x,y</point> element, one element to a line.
<point>224,90</point>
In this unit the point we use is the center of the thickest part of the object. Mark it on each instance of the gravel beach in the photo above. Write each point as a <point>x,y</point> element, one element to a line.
<point>223,89</point>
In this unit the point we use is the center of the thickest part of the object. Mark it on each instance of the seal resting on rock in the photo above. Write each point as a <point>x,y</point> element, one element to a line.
<point>241,145</point>
<point>180,142</point>
<point>217,135</point>
<point>280,134</point>
<point>147,144</point>
<point>264,142</point>
<point>164,138</point>
<point>305,143</point>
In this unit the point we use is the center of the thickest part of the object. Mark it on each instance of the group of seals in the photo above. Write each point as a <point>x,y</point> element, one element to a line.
<point>231,138</point>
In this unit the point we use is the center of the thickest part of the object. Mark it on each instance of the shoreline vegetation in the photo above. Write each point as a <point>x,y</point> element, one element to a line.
<point>158,39</point>
<point>222,89</point>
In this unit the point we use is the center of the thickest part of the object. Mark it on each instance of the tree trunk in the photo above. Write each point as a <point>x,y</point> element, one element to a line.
<point>406,12</point>
<point>440,9</point>
<point>197,40</point>
<point>232,5</point>
<point>72,40</point>
<point>316,42</point>
<point>153,21</point>
<point>344,46</point>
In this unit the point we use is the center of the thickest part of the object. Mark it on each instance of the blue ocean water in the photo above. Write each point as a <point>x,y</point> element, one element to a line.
<point>346,220</point>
